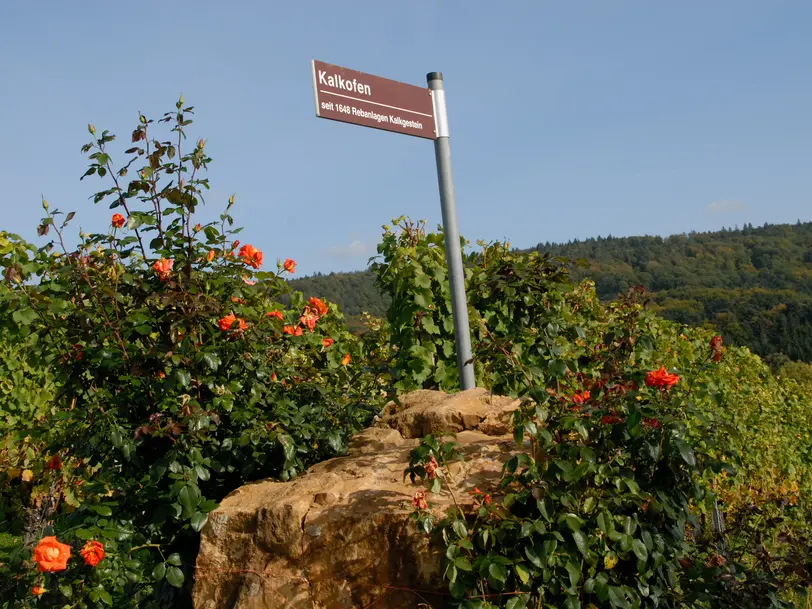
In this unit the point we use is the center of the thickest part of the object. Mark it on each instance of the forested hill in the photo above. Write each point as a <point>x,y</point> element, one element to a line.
<point>754,284</point>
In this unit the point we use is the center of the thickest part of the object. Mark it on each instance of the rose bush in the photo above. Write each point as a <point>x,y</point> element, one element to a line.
<point>175,374</point>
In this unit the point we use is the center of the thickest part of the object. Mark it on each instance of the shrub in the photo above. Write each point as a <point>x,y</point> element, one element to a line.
<point>180,376</point>
<point>728,433</point>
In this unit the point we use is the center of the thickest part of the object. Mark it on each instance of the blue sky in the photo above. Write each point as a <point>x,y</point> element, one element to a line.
<point>568,119</point>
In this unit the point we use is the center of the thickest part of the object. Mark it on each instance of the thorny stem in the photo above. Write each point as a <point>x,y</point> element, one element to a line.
<point>153,183</point>
<point>121,198</point>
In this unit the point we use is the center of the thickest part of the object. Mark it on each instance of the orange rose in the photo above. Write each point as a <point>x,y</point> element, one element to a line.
<point>226,322</point>
<point>297,331</point>
<point>309,319</point>
<point>37,590</point>
<point>275,314</point>
<point>326,342</point>
<point>432,465</point>
<point>345,361</point>
<point>161,374</point>
<point>716,348</point>
<point>210,255</point>
<point>419,501</point>
<point>660,378</point>
<point>92,552</point>
<point>50,555</point>
<point>54,463</point>
<point>318,306</point>
<point>250,256</point>
<point>117,220</point>
<point>163,267</point>
<point>197,228</point>
<point>290,265</point>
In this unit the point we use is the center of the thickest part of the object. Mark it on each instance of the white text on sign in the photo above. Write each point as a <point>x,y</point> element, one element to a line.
<point>337,82</point>
<point>380,118</point>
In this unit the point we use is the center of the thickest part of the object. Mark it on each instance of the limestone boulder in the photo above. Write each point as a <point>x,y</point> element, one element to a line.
<point>338,536</point>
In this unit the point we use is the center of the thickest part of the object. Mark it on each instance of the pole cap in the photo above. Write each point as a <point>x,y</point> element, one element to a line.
<point>434,76</point>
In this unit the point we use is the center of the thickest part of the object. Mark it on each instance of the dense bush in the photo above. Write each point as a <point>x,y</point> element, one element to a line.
<point>180,376</point>
<point>610,455</point>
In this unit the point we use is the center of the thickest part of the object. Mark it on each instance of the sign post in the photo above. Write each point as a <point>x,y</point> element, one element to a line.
<point>453,253</point>
<point>371,101</point>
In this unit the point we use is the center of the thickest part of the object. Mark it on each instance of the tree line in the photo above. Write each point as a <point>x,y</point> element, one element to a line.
<point>752,284</point>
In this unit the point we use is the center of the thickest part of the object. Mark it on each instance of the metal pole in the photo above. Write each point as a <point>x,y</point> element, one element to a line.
<point>453,253</point>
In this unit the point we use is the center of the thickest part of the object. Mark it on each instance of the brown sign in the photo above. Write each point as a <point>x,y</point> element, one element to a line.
<point>362,99</point>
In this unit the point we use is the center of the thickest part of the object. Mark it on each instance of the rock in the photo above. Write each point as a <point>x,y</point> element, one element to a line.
<point>339,535</point>
<point>430,412</point>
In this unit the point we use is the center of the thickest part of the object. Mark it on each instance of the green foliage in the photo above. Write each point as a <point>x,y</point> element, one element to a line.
<point>596,511</point>
<point>180,375</point>
<point>413,273</point>
<point>27,387</point>
<point>616,493</point>
<point>799,371</point>
<point>752,285</point>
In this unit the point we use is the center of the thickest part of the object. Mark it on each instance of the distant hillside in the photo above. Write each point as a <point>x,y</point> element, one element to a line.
<point>753,284</point>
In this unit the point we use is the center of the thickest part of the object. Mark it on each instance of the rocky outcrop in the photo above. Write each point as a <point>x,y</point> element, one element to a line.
<point>338,537</point>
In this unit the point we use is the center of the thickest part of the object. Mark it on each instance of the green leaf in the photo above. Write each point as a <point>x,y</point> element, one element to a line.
<point>174,559</point>
<point>589,504</point>
<point>460,528</point>
<point>188,499</point>
<point>626,542</point>
<point>557,368</point>
<point>533,556</point>
<point>24,316</point>
<point>640,550</point>
<point>429,325</point>
<point>498,572</point>
<point>421,280</point>
<point>184,378</point>
<point>84,534</point>
<point>522,573</point>
<point>617,598</point>
<point>102,510</point>
<point>518,602</point>
<point>580,542</point>
<point>174,576</point>
<point>687,453</point>
<point>212,360</point>
<point>574,522</point>
<point>462,563</point>
<point>198,521</point>
<point>104,595</point>
<point>159,571</point>
<point>574,572</point>
<point>606,523</point>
